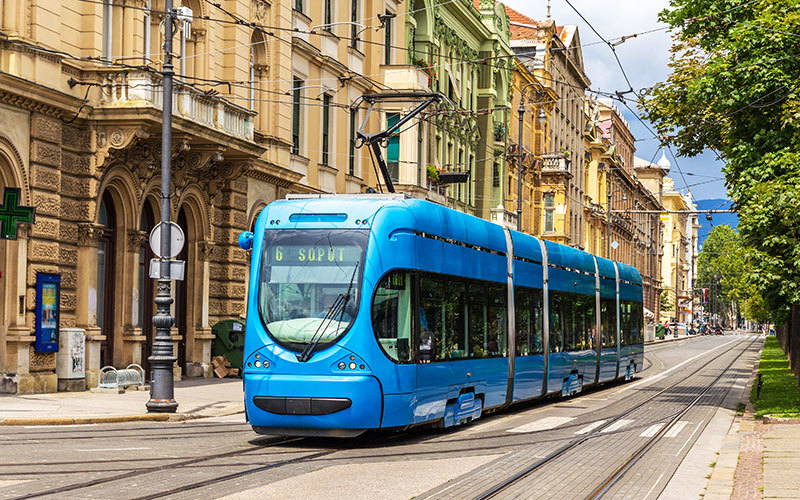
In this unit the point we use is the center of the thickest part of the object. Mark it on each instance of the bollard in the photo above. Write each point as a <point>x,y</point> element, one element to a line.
<point>758,387</point>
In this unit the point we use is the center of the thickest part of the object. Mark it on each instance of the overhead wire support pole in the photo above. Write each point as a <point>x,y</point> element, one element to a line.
<point>162,385</point>
<point>374,140</point>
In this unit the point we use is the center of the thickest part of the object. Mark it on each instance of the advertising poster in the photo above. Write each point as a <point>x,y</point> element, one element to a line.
<point>48,289</point>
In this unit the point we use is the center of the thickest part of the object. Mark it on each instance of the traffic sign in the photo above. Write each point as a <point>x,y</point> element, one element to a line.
<point>176,269</point>
<point>614,244</point>
<point>176,240</point>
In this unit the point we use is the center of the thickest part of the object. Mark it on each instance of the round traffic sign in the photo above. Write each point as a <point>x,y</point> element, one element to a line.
<point>176,238</point>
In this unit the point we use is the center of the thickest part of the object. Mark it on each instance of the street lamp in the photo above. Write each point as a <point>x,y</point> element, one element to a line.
<point>538,94</point>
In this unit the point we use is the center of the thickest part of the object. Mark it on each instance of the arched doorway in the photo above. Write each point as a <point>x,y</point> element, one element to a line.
<point>106,249</point>
<point>146,284</point>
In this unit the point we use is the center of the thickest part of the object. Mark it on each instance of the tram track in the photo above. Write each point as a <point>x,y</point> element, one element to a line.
<point>324,452</point>
<point>618,473</point>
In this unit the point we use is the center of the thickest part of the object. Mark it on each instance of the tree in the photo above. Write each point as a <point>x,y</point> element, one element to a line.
<point>666,303</point>
<point>722,265</point>
<point>735,88</point>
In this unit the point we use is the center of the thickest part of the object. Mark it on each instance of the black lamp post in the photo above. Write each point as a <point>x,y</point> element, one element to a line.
<point>537,96</point>
<point>162,386</point>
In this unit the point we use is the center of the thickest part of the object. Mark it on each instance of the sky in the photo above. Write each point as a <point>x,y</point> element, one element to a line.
<point>645,61</point>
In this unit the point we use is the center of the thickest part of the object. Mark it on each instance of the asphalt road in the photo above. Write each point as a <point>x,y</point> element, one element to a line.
<point>572,447</point>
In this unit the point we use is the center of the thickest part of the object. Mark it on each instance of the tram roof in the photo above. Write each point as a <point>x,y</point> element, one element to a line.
<point>431,218</point>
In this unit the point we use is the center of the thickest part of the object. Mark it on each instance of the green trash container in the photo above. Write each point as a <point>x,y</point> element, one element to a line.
<point>661,331</point>
<point>229,341</point>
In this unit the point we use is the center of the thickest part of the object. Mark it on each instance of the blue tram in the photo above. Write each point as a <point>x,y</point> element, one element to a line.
<point>378,311</point>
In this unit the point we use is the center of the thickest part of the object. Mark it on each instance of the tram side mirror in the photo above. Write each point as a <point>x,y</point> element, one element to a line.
<point>246,240</point>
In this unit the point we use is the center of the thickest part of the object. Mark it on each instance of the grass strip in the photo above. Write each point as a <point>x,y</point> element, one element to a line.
<point>780,395</point>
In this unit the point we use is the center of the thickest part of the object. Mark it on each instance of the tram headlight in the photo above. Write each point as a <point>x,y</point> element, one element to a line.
<point>352,366</point>
<point>342,366</point>
<point>258,364</point>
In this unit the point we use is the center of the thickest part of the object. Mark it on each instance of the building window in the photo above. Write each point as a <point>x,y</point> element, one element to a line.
<point>296,115</point>
<point>387,41</point>
<point>326,117</point>
<point>496,175</point>
<point>108,27</point>
<point>298,5</point>
<point>470,197</point>
<point>146,33</point>
<point>393,148</point>
<point>549,212</point>
<point>353,27</point>
<point>352,153</point>
<point>328,14</point>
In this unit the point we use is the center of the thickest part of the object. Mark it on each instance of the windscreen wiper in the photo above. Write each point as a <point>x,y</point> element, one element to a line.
<point>337,308</point>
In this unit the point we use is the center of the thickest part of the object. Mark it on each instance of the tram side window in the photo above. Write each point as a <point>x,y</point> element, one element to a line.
<point>556,323</point>
<point>478,320</point>
<point>455,304</point>
<point>498,316</point>
<point>633,322</point>
<point>431,319</point>
<point>608,320</point>
<point>523,299</point>
<point>625,322</point>
<point>585,310</point>
<point>391,314</point>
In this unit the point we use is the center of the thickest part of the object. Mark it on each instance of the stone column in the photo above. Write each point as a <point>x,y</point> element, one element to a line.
<point>86,312</point>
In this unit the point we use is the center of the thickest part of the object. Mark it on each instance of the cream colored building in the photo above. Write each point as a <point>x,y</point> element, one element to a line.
<point>80,103</point>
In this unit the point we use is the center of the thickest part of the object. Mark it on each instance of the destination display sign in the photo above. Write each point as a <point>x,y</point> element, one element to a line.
<point>286,255</point>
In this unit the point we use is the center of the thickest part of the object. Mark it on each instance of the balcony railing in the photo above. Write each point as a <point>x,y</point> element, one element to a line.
<point>141,89</point>
<point>404,77</point>
<point>503,217</point>
<point>558,163</point>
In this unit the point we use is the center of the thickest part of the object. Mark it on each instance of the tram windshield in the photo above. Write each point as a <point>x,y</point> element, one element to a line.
<point>309,284</point>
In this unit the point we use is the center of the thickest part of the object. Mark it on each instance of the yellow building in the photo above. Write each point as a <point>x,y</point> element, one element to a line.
<point>675,264</point>
<point>620,211</point>
<point>257,113</point>
<point>539,101</point>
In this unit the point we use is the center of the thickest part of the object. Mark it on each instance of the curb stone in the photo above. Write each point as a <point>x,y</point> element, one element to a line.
<point>152,417</point>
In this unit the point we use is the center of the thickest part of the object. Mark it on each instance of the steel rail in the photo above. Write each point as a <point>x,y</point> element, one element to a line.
<point>615,476</point>
<point>148,470</point>
<point>489,493</point>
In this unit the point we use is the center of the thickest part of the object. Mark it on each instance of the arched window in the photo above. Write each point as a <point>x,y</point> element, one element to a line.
<point>105,277</point>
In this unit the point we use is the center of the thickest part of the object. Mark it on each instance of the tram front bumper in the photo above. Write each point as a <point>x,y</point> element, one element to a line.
<point>308,404</point>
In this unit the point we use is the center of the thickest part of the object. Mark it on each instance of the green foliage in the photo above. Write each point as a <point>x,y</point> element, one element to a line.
<point>735,88</point>
<point>666,303</point>
<point>722,268</point>
<point>779,392</point>
<point>433,173</point>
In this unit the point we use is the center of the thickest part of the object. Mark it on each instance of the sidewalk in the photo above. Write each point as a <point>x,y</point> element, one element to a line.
<point>197,398</point>
<point>758,459</point>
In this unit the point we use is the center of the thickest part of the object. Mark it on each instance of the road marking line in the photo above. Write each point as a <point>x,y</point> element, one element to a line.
<point>676,429</point>
<point>619,424</point>
<point>663,374</point>
<point>651,431</point>
<point>690,438</point>
<point>589,428</point>
<point>543,424</point>
<point>55,427</point>
<point>654,486</point>
<point>113,449</point>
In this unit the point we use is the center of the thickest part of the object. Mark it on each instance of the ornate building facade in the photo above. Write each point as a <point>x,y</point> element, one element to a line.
<point>80,96</point>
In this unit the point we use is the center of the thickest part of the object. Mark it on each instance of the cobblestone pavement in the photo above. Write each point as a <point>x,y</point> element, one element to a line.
<point>223,458</point>
<point>749,479</point>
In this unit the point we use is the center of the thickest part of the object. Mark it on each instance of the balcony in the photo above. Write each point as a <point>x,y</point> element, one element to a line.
<point>556,164</point>
<point>404,77</point>
<point>503,217</point>
<point>133,88</point>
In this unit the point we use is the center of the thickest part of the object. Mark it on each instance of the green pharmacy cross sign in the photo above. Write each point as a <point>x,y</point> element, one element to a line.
<point>12,215</point>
